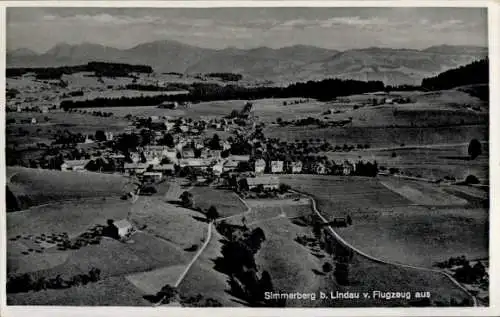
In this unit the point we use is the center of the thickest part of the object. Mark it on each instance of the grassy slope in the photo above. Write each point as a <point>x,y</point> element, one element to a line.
<point>205,280</point>
<point>389,226</point>
<point>226,202</point>
<point>114,291</point>
<point>36,186</point>
<point>291,268</point>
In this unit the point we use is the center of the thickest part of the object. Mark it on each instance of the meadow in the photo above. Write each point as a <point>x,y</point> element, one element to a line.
<point>297,268</point>
<point>34,187</point>
<point>380,136</point>
<point>391,226</point>
<point>226,202</point>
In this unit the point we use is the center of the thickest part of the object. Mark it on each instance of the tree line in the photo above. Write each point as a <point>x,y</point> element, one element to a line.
<point>476,72</point>
<point>99,69</point>
<point>326,89</point>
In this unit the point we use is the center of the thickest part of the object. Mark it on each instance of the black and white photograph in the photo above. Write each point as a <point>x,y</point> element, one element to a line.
<point>247,157</point>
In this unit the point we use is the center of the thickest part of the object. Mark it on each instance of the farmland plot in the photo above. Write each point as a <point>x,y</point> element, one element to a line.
<point>34,187</point>
<point>390,226</point>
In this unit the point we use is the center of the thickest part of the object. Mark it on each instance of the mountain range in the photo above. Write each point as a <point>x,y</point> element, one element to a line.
<point>287,64</point>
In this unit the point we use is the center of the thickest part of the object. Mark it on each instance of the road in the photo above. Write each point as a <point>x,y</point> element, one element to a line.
<point>347,244</point>
<point>191,263</point>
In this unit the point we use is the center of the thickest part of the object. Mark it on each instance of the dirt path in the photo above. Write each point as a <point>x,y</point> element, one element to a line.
<point>347,244</point>
<point>249,209</point>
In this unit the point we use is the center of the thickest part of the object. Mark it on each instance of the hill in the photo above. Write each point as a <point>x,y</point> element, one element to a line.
<point>474,73</point>
<point>293,63</point>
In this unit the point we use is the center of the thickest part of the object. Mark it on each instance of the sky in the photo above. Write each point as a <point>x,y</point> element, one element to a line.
<point>39,29</point>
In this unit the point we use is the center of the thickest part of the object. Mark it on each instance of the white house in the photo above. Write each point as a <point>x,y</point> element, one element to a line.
<point>135,157</point>
<point>74,165</point>
<point>276,166</point>
<point>260,166</point>
<point>194,162</point>
<point>320,168</point>
<point>296,167</point>
<point>164,168</point>
<point>348,168</point>
<point>239,158</point>
<point>109,136</point>
<point>218,168</point>
<point>135,168</point>
<point>125,228</point>
<point>268,182</point>
<point>152,176</point>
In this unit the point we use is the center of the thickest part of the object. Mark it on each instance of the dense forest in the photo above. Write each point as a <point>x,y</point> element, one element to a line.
<point>327,89</point>
<point>99,68</point>
<point>226,76</point>
<point>169,87</point>
<point>475,73</point>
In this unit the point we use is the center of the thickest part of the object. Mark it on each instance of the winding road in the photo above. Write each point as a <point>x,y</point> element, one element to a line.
<point>347,244</point>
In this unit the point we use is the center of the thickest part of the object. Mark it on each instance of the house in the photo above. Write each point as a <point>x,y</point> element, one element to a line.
<point>169,105</point>
<point>135,168</point>
<point>348,168</point>
<point>165,169</point>
<point>260,166</point>
<point>169,125</point>
<point>187,153</point>
<point>135,157</point>
<point>276,166</point>
<point>74,165</point>
<point>184,128</point>
<point>296,167</point>
<point>194,162</point>
<point>109,136</point>
<point>33,121</point>
<point>218,168</point>
<point>226,145</point>
<point>267,181</point>
<point>45,109</point>
<point>153,160</point>
<point>152,176</point>
<point>320,168</point>
<point>88,140</point>
<point>124,227</point>
<point>239,158</point>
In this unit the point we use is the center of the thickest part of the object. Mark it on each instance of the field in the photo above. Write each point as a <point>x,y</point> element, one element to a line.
<point>205,280</point>
<point>113,291</point>
<point>393,227</point>
<point>267,110</point>
<point>34,187</point>
<point>226,202</point>
<point>159,252</point>
<point>297,268</point>
<point>380,136</point>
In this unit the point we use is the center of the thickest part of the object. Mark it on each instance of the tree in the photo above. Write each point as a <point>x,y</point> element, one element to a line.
<point>167,140</point>
<point>474,149</point>
<point>266,284</point>
<point>341,273</point>
<point>327,267</point>
<point>166,294</point>
<point>471,179</point>
<point>187,199</point>
<point>214,143</point>
<point>212,213</point>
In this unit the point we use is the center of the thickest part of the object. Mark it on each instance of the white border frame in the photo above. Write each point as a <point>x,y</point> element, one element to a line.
<point>494,54</point>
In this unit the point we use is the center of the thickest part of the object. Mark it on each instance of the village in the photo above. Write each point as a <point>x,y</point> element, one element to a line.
<point>152,148</point>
